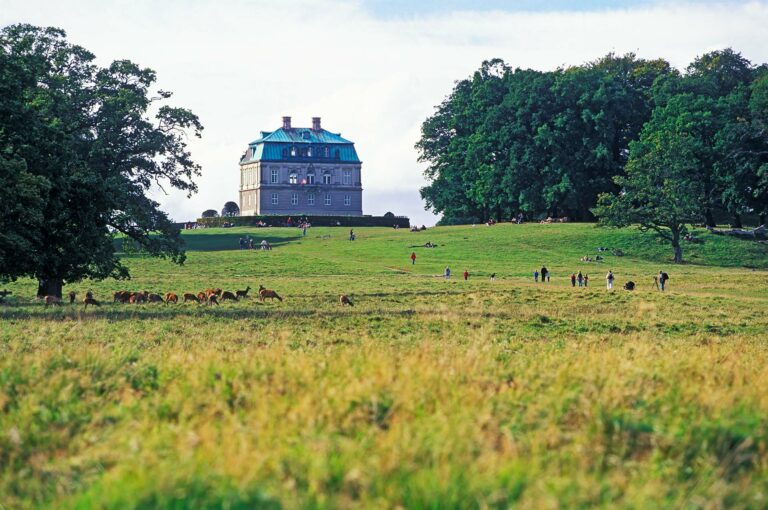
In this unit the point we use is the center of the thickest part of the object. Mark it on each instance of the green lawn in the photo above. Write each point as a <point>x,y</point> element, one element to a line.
<point>425,394</point>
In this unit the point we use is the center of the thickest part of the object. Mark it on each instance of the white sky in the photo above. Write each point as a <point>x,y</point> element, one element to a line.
<point>372,76</point>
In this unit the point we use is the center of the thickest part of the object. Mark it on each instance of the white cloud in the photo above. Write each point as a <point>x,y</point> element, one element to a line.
<point>242,65</point>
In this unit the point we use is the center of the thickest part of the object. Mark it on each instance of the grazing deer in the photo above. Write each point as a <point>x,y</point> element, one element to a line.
<point>213,300</point>
<point>155,298</point>
<point>242,293</point>
<point>344,300</point>
<point>137,298</point>
<point>265,293</point>
<point>202,297</point>
<point>170,297</point>
<point>90,301</point>
<point>119,296</point>
<point>89,294</point>
<point>51,300</point>
<point>227,295</point>
<point>188,296</point>
<point>72,297</point>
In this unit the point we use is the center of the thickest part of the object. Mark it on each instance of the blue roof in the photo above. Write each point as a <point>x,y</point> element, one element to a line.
<point>281,145</point>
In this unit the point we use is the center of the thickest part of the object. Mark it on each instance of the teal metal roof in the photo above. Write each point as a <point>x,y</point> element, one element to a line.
<point>280,145</point>
<point>300,135</point>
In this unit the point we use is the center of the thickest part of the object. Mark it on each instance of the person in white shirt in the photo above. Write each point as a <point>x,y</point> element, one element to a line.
<point>609,280</point>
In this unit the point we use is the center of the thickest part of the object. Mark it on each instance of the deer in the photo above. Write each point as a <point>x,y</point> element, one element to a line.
<point>90,301</point>
<point>227,295</point>
<point>121,296</point>
<point>170,297</point>
<point>155,298</point>
<point>265,293</point>
<point>51,300</point>
<point>213,300</point>
<point>344,300</point>
<point>202,297</point>
<point>243,293</point>
<point>216,291</point>
<point>137,298</point>
<point>188,296</point>
<point>72,297</point>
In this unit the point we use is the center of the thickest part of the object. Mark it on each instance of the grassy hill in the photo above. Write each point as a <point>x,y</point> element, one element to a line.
<point>426,393</point>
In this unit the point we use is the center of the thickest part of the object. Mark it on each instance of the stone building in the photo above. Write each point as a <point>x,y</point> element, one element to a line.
<point>297,171</point>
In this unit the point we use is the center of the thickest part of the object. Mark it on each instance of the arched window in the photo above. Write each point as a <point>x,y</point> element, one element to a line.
<point>310,177</point>
<point>309,152</point>
<point>293,178</point>
<point>293,151</point>
<point>326,177</point>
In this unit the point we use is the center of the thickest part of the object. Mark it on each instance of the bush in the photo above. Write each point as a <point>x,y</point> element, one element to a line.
<point>317,221</point>
<point>210,213</point>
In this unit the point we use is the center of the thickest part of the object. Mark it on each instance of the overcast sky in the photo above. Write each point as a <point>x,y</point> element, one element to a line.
<point>373,70</point>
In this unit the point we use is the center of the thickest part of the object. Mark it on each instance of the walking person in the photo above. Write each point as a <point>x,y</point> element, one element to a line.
<point>663,277</point>
<point>413,258</point>
<point>447,273</point>
<point>466,275</point>
<point>580,278</point>
<point>586,280</point>
<point>351,235</point>
<point>544,273</point>
<point>536,275</point>
<point>609,279</point>
<point>573,279</point>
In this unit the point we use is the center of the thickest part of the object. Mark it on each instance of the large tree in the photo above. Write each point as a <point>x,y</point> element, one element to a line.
<point>662,189</point>
<point>91,142</point>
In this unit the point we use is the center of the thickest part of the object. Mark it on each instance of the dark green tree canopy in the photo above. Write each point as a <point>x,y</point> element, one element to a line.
<point>230,209</point>
<point>210,213</point>
<point>91,141</point>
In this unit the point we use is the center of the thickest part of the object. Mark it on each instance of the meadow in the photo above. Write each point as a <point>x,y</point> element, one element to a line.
<point>426,393</point>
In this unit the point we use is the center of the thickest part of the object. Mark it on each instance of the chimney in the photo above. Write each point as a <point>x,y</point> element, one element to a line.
<point>316,124</point>
<point>286,123</point>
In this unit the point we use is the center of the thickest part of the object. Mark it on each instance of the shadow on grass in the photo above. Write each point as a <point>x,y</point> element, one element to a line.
<point>222,242</point>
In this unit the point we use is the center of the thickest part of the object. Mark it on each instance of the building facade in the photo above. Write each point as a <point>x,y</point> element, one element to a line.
<point>301,171</point>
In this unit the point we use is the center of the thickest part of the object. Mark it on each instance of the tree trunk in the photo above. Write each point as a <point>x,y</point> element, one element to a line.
<point>49,287</point>
<point>762,219</point>
<point>676,246</point>
<point>737,221</point>
<point>709,218</point>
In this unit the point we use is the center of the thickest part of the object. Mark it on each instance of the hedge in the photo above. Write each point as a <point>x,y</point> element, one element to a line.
<point>316,221</point>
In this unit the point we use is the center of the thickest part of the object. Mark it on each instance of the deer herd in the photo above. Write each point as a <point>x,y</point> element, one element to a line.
<point>209,297</point>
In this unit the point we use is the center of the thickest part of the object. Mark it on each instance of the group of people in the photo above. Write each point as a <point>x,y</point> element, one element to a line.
<point>447,273</point>
<point>247,243</point>
<point>545,276</point>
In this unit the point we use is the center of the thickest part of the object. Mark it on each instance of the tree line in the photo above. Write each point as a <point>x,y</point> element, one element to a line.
<point>622,139</point>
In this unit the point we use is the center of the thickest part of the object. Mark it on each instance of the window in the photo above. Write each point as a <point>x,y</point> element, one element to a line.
<point>311,177</point>
<point>327,152</point>
<point>293,178</point>
<point>327,199</point>
<point>274,177</point>
<point>309,152</point>
<point>274,198</point>
<point>347,200</point>
<point>327,178</point>
<point>347,177</point>
<point>311,199</point>
<point>293,151</point>
<point>294,199</point>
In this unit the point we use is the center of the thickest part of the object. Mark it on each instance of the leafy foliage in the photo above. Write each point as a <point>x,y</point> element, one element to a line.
<point>230,209</point>
<point>91,141</point>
